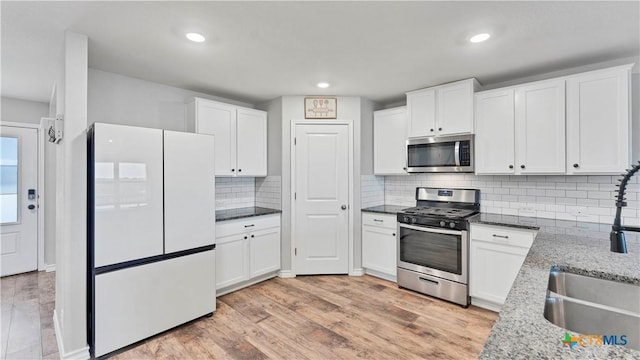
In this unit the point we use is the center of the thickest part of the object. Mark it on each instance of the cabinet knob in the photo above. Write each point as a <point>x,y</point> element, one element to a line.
<point>576,166</point>
<point>232,170</point>
<point>245,237</point>
<point>439,129</point>
<point>394,234</point>
<point>522,166</point>
<point>239,170</point>
<point>431,130</point>
<point>510,166</point>
<point>253,236</point>
<point>404,168</point>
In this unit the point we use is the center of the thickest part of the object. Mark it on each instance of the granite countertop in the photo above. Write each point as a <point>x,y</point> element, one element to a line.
<point>239,213</point>
<point>386,209</point>
<point>521,331</point>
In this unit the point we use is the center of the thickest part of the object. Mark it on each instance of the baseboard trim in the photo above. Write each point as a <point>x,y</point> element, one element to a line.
<point>356,272</point>
<point>286,274</point>
<point>50,267</point>
<point>244,284</point>
<point>485,304</point>
<point>78,354</point>
<point>382,275</point>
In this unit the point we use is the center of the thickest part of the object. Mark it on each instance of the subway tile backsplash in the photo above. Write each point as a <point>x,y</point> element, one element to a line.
<point>577,198</point>
<point>268,191</point>
<point>235,192</point>
<point>372,190</point>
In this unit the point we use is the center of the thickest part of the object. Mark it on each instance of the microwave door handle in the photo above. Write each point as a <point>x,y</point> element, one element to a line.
<point>457,153</point>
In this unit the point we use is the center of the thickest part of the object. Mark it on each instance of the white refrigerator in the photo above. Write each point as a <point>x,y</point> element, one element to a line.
<point>150,232</point>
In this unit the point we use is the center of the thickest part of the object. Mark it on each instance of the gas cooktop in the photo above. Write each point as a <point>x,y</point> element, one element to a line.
<point>448,213</point>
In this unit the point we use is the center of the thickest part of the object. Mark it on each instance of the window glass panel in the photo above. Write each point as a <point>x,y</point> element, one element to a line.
<point>8,179</point>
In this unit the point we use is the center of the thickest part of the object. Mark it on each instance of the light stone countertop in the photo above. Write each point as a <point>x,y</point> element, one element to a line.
<point>521,331</point>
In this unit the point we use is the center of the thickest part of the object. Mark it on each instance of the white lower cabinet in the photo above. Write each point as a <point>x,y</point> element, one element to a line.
<point>496,255</point>
<point>246,250</point>
<point>379,245</point>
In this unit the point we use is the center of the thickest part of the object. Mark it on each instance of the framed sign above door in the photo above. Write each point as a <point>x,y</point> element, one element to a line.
<point>320,107</point>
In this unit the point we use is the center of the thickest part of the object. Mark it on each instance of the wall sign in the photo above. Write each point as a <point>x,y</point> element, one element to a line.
<point>320,108</point>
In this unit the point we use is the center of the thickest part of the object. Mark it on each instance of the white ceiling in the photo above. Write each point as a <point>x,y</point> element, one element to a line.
<point>257,51</point>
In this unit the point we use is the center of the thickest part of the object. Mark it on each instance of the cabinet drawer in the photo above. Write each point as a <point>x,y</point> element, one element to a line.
<point>239,226</point>
<point>381,220</point>
<point>502,235</point>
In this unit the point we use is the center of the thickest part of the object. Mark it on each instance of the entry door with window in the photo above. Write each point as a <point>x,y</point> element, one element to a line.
<point>19,200</point>
<point>321,233</point>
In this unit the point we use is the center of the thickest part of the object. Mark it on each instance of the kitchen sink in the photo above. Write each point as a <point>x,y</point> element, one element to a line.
<point>594,306</point>
<point>605,292</point>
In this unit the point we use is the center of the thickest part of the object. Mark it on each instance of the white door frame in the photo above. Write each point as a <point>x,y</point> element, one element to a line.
<point>350,206</point>
<point>40,160</point>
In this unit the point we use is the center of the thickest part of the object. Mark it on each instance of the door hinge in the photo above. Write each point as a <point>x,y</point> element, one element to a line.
<point>295,196</point>
<point>295,251</point>
<point>294,141</point>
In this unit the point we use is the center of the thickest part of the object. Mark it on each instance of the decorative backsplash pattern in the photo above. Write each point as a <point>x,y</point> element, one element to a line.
<point>268,191</point>
<point>234,193</point>
<point>581,198</point>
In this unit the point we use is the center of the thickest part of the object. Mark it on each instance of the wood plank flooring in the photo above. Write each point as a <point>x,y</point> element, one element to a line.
<point>307,317</point>
<point>325,317</point>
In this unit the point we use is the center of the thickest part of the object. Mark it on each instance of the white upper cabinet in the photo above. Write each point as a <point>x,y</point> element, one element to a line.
<point>540,128</point>
<point>441,110</point>
<point>421,111</point>
<point>240,136</point>
<point>598,126</point>
<point>455,108</point>
<point>251,153</point>
<point>494,143</point>
<point>389,141</point>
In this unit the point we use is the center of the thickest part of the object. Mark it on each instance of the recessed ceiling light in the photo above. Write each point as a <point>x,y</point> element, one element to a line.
<point>479,38</point>
<point>195,37</point>
<point>323,85</point>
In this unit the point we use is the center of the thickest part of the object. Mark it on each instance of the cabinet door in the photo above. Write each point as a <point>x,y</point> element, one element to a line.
<point>455,108</point>
<point>598,122</point>
<point>264,250</point>
<point>540,128</point>
<point>128,198</point>
<point>421,109</point>
<point>189,191</point>
<point>379,249</point>
<point>493,268</point>
<point>494,142</point>
<point>251,143</point>
<point>231,260</point>
<point>219,119</point>
<point>389,141</point>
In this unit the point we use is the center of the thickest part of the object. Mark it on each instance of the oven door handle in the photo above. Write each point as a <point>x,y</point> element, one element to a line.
<point>431,229</point>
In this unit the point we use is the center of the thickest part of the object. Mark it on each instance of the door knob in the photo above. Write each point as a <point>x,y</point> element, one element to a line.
<point>31,207</point>
<point>576,166</point>
<point>343,207</point>
<point>522,166</point>
<point>510,166</point>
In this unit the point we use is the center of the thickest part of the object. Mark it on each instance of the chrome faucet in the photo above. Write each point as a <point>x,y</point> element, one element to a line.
<point>618,242</point>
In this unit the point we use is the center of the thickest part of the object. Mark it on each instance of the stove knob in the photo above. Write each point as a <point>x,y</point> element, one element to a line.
<point>413,220</point>
<point>442,223</point>
<point>452,224</point>
<point>405,219</point>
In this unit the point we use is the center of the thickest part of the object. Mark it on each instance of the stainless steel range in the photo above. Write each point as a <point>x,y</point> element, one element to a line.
<point>433,247</point>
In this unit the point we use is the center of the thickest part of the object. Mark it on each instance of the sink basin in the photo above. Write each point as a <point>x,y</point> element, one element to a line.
<point>594,306</point>
<point>605,292</point>
<point>587,319</point>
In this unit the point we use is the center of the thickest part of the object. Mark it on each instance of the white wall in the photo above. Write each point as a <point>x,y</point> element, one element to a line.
<point>70,306</point>
<point>119,99</point>
<point>25,111</point>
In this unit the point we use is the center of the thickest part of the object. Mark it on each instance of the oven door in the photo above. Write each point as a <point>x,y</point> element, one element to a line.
<point>433,251</point>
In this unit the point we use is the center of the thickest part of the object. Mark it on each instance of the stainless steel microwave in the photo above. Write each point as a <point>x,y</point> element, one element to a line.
<point>447,154</point>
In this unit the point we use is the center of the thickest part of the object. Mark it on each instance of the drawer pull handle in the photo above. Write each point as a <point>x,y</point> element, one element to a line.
<point>249,225</point>
<point>378,220</point>
<point>501,236</point>
<point>429,280</point>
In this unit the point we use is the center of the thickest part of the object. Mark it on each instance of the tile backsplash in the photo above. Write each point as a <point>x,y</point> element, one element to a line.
<point>235,192</point>
<point>268,192</point>
<point>372,190</point>
<point>581,198</point>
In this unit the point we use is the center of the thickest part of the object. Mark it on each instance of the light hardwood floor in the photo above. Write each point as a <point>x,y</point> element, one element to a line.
<point>323,317</point>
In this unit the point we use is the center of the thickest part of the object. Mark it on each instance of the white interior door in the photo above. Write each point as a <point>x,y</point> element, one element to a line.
<point>321,218</point>
<point>19,202</point>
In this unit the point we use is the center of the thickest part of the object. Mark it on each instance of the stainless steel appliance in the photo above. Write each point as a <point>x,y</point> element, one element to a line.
<point>440,154</point>
<point>433,247</point>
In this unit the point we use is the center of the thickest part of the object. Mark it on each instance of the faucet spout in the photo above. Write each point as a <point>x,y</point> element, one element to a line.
<point>616,237</point>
